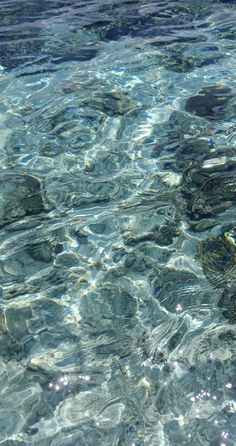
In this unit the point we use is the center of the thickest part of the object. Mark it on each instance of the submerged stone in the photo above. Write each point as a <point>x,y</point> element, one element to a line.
<point>209,194</point>
<point>111,103</point>
<point>227,304</point>
<point>74,54</point>
<point>20,195</point>
<point>192,149</point>
<point>109,305</point>
<point>23,326</point>
<point>217,257</point>
<point>210,101</point>
<point>163,235</point>
<point>41,252</point>
<point>183,63</point>
<point>181,290</point>
<point>191,152</point>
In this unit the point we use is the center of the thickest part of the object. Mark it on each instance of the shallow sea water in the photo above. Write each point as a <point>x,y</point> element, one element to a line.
<point>117,223</point>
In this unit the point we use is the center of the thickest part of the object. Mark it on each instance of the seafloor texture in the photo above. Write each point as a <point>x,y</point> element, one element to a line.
<point>117,223</point>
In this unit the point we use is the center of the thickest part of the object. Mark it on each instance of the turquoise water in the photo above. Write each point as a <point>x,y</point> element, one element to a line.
<point>117,223</point>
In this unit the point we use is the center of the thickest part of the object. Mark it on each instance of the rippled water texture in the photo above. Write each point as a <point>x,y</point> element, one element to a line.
<point>117,223</point>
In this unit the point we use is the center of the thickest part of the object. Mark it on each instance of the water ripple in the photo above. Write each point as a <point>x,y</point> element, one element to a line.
<point>117,223</point>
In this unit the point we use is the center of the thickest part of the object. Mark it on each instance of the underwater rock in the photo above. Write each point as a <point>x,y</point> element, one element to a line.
<point>162,235</point>
<point>111,103</point>
<point>20,196</point>
<point>74,54</point>
<point>217,256</point>
<point>191,152</point>
<point>166,234</point>
<point>199,153</point>
<point>139,26</point>
<point>210,101</point>
<point>21,39</point>
<point>183,63</point>
<point>109,305</point>
<point>187,153</point>
<point>54,283</point>
<point>217,345</point>
<point>181,290</point>
<point>227,304</point>
<point>208,194</point>
<point>22,398</point>
<point>26,263</point>
<point>41,252</point>
<point>173,134</point>
<point>42,314</point>
<point>23,326</point>
<point>84,407</point>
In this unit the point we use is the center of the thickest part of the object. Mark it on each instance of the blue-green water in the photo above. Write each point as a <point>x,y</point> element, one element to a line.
<point>117,223</point>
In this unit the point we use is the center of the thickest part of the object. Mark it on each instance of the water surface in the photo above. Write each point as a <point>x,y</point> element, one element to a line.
<point>117,223</point>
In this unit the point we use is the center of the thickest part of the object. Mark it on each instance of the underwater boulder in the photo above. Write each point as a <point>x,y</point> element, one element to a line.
<point>23,325</point>
<point>74,54</point>
<point>182,290</point>
<point>162,235</point>
<point>227,304</point>
<point>111,103</point>
<point>208,194</point>
<point>184,63</point>
<point>20,195</point>
<point>41,252</point>
<point>209,102</point>
<point>217,256</point>
<point>108,305</point>
<point>191,152</point>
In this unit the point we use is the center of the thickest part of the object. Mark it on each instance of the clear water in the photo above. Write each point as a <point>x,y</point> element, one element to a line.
<point>117,223</point>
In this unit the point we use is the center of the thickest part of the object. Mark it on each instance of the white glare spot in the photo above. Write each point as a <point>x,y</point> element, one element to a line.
<point>224,434</point>
<point>93,282</point>
<point>50,385</point>
<point>178,307</point>
<point>84,378</point>
<point>57,387</point>
<point>228,386</point>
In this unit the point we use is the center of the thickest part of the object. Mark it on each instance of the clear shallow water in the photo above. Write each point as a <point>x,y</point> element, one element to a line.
<point>117,223</point>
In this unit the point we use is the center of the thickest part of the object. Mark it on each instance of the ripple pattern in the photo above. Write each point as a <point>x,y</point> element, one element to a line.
<point>117,223</point>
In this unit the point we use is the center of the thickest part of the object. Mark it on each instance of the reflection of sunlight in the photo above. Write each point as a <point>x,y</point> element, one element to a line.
<point>178,308</point>
<point>93,282</point>
<point>84,378</point>
<point>59,384</point>
<point>63,382</point>
<point>225,435</point>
